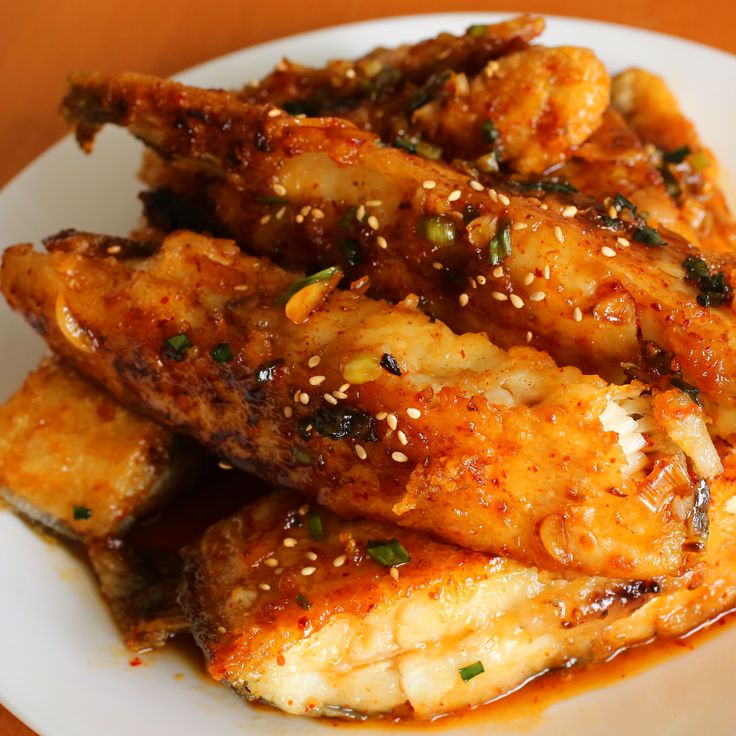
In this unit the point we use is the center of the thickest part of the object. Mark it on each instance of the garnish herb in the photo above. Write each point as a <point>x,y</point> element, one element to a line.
<point>221,353</point>
<point>692,391</point>
<point>499,246</point>
<point>547,185</point>
<point>677,156</point>
<point>438,229</point>
<point>390,553</point>
<point>351,250</point>
<point>405,145</point>
<point>489,131</point>
<point>302,601</point>
<point>316,530</point>
<point>175,348</point>
<point>388,363</point>
<point>339,422</point>
<point>270,199</point>
<point>266,371</point>
<point>81,513</point>
<point>302,456</point>
<point>348,219</point>
<point>324,275</point>
<point>648,235</point>
<point>621,203</point>
<point>476,30</point>
<point>471,671</point>
<point>714,288</point>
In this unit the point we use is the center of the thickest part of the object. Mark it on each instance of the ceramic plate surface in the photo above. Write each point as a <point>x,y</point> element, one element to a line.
<point>63,669</point>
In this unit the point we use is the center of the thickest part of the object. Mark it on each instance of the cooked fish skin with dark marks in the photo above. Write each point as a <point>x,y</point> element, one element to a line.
<point>376,410</point>
<point>75,461</point>
<point>369,85</point>
<point>607,296</point>
<point>291,609</point>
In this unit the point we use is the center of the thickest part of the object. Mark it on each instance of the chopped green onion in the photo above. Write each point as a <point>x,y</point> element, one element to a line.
<point>692,391</point>
<point>302,601</point>
<point>324,275</point>
<point>648,235</point>
<point>389,554</point>
<point>700,160</point>
<point>389,363</point>
<point>339,422</point>
<point>221,353</point>
<point>175,348</point>
<point>81,513</point>
<point>622,203</point>
<point>677,156</point>
<point>348,219</point>
<point>270,199</point>
<point>438,229</point>
<point>477,30</point>
<point>696,268</point>
<point>351,250</point>
<point>714,288</point>
<point>499,247</point>
<point>471,671</point>
<point>406,145</point>
<point>266,371</point>
<point>547,185</point>
<point>489,131</point>
<point>302,456</point>
<point>316,530</point>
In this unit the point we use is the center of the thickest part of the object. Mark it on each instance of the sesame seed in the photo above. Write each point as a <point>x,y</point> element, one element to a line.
<point>265,219</point>
<point>344,387</point>
<point>623,242</point>
<point>498,272</point>
<point>543,206</point>
<point>399,457</point>
<point>330,399</point>
<point>499,296</point>
<point>519,226</point>
<point>529,336</point>
<point>481,279</point>
<point>304,398</point>
<point>339,394</point>
<point>360,452</point>
<point>493,194</point>
<point>314,361</point>
<point>360,213</point>
<point>316,380</point>
<point>225,466</point>
<point>429,184</point>
<point>413,412</point>
<point>373,222</point>
<point>529,278</point>
<point>274,113</point>
<point>317,213</point>
<point>279,189</point>
<point>537,296</point>
<point>402,437</point>
<point>271,562</point>
<point>303,509</point>
<point>454,195</point>
<point>296,395</point>
<point>278,571</point>
<point>350,73</point>
<point>299,219</point>
<point>612,212</point>
<point>608,252</point>
<point>392,421</point>
<point>559,235</point>
<point>222,629</point>
<point>381,415</point>
<point>437,266</point>
<point>281,213</point>
<point>264,586</point>
<point>339,561</point>
<point>381,242</point>
<point>504,200</point>
<point>577,315</point>
<point>305,210</point>
<point>373,203</point>
<point>288,412</point>
<point>463,299</point>
<point>311,555</point>
<point>476,185</point>
<point>307,571</point>
<point>547,271</point>
<point>394,572</point>
<point>113,249</point>
<point>517,301</point>
<point>290,542</point>
<point>240,287</point>
<point>472,283</point>
<point>570,211</point>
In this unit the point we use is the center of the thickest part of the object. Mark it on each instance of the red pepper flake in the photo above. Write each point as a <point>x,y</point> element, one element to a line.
<point>136,662</point>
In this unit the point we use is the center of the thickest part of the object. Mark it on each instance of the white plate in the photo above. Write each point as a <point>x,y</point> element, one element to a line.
<point>62,667</point>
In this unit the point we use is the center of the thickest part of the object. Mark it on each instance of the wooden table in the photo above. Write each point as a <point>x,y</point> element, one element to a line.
<point>42,40</point>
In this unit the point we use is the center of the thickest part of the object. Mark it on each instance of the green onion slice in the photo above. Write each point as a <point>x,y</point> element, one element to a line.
<point>324,275</point>
<point>471,671</point>
<point>221,353</point>
<point>316,529</point>
<point>388,554</point>
<point>499,247</point>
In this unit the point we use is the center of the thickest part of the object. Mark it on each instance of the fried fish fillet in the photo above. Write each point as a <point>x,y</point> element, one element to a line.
<point>374,409</point>
<point>318,616</point>
<point>594,290</point>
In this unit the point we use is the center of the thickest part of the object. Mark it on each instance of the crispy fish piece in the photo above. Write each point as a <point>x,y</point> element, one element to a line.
<point>318,616</point>
<point>75,461</point>
<point>376,410</point>
<point>594,290</point>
